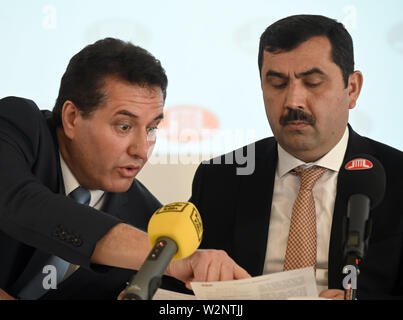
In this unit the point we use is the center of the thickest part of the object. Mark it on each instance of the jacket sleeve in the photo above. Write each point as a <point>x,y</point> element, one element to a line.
<point>29,211</point>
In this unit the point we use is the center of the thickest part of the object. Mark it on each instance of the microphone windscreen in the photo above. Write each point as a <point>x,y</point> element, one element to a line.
<point>363,174</point>
<point>179,221</point>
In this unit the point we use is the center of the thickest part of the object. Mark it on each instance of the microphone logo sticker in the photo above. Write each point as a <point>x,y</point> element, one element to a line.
<point>173,207</point>
<point>359,164</point>
<point>197,222</point>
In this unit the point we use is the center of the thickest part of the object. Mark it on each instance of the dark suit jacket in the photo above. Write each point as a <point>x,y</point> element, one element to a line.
<point>34,213</point>
<point>236,213</point>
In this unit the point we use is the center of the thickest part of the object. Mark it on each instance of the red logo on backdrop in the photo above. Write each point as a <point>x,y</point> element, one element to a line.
<point>359,164</point>
<point>188,123</point>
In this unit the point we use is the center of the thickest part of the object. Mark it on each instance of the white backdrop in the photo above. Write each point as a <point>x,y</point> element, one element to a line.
<point>209,50</point>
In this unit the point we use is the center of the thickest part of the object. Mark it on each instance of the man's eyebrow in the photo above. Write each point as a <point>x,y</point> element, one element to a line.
<point>309,72</point>
<point>272,73</point>
<point>132,115</point>
<point>126,113</point>
<point>159,117</point>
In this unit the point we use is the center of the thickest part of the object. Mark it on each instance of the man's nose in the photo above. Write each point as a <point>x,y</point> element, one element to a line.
<point>295,96</point>
<point>140,146</point>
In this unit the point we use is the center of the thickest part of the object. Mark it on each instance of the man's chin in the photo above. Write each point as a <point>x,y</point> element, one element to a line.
<point>118,187</point>
<point>297,144</point>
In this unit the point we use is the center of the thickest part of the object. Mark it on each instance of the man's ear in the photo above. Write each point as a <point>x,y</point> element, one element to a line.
<point>355,82</point>
<point>70,115</point>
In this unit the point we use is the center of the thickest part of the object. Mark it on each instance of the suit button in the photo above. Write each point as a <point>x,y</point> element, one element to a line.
<point>63,235</point>
<point>77,242</point>
<point>59,232</point>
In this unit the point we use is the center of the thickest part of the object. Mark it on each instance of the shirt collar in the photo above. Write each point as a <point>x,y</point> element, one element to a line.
<point>71,183</point>
<point>332,160</point>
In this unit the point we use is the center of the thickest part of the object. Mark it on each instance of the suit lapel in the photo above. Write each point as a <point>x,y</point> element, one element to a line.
<point>130,206</point>
<point>356,145</point>
<point>114,205</point>
<point>253,208</point>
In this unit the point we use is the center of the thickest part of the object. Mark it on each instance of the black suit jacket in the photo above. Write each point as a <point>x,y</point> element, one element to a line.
<point>37,219</point>
<point>236,213</point>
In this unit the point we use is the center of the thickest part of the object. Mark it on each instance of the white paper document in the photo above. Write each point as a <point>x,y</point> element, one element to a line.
<point>276,286</point>
<point>163,294</point>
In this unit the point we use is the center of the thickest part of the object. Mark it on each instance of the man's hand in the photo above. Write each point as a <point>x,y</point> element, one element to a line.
<point>333,294</point>
<point>5,296</point>
<point>206,265</point>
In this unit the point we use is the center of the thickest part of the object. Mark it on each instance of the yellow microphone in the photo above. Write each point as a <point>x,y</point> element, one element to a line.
<point>175,232</point>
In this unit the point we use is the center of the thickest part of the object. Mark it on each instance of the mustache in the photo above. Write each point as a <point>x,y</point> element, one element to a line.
<point>297,115</point>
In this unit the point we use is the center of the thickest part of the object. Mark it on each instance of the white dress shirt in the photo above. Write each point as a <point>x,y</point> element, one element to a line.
<point>286,188</point>
<point>71,183</point>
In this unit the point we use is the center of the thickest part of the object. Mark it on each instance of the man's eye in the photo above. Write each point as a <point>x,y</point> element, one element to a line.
<point>277,83</point>
<point>152,134</point>
<point>280,86</point>
<point>124,127</point>
<point>312,84</point>
<point>152,130</point>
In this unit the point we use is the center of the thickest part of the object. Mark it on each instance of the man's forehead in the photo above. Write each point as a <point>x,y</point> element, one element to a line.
<point>112,84</point>
<point>315,49</point>
<point>135,101</point>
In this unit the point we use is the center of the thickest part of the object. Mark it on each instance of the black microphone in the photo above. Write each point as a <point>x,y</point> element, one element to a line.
<point>363,186</point>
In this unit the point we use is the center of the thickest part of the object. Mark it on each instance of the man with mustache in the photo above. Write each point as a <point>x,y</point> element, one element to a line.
<point>67,181</point>
<point>306,66</point>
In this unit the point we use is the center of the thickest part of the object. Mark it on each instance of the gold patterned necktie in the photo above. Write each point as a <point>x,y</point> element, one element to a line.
<point>301,244</point>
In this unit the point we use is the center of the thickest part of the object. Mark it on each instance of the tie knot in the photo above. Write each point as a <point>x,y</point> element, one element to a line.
<point>309,176</point>
<point>81,195</point>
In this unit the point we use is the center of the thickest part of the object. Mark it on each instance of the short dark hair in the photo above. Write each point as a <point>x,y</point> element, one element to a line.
<point>288,33</point>
<point>84,79</point>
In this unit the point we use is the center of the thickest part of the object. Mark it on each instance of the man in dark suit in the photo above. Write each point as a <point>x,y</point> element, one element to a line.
<point>306,66</point>
<point>98,137</point>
